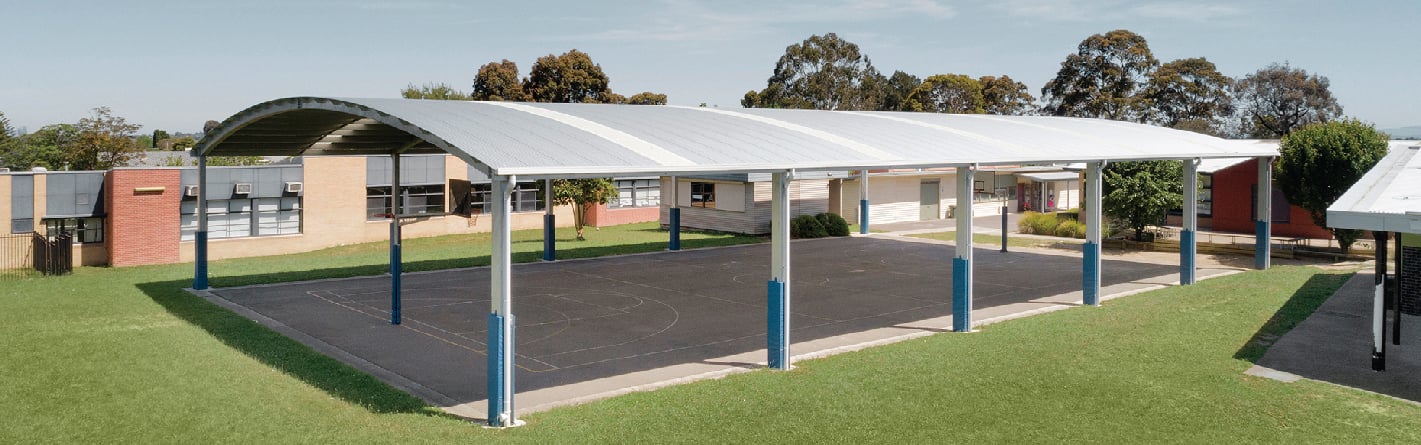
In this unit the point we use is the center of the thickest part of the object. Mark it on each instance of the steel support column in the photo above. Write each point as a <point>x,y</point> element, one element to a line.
<point>1190,206</point>
<point>778,289</point>
<point>1263,225</point>
<point>550,234</point>
<point>199,274</point>
<point>863,202</point>
<point>1379,306</point>
<point>674,215</point>
<point>396,261</point>
<point>962,263</point>
<point>1090,267</point>
<point>500,319</point>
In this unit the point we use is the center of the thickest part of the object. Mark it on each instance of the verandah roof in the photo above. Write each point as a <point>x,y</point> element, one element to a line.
<point>549,140</point>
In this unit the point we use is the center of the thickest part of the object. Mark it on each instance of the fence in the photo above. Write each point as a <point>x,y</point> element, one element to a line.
<point>54,255</point>
<point>16,256</point>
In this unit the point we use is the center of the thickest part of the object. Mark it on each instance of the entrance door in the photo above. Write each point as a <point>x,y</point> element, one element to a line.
<point>928,208</point>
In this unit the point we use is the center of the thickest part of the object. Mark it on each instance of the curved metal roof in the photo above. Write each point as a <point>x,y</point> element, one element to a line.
<point>503,138</point>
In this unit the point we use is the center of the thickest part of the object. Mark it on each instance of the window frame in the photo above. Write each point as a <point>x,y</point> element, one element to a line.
<point>703,194</point>
<point>82,233</point>
<point>434,201</point>
<point>641,193</point>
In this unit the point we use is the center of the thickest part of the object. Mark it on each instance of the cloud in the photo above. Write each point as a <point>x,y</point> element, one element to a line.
<point>1116,10</point>
<point>682,20</point>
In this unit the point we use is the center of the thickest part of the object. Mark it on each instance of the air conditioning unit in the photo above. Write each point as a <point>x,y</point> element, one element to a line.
<point>243,188</point>
<point>189,190</point>
<point>294,187</point>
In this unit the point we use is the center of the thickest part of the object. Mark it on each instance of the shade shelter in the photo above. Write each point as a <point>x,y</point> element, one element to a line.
<point>1386,200</point>
<point>521,141</point>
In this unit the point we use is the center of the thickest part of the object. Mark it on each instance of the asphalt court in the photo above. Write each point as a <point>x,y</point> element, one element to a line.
<point>584,320</point>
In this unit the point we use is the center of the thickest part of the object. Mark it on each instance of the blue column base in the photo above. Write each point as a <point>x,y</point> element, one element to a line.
<point>1090,274</point>
<point>397,268</point>
<point>199,273</point>
<point>777,329</point>
<point>550,238</point>
<point>863,216</point>
<point>675,226</point>
<point>961,296</point>
<point>496,356</point>
<point>1187,250</point>
<point>1262,234</point>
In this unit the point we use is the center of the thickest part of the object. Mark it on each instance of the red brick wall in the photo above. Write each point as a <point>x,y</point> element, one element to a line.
<point>142,226</point>
<point>600,215</point>
<point>1233,201</point>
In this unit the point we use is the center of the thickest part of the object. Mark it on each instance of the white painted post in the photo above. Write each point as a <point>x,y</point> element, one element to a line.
<point>500,327</point>
<point>962,262</point>
<point>779,286</point>
<point>1263,229</point>
<point>396,256</point>
<point>1190,210</point>
<point>199,279</point>
<point>1090,270</point>
<point>863,201</point>
<point>1379,303</point>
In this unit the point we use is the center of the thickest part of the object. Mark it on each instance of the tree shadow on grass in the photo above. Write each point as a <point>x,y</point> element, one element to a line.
<point>1298,307</point>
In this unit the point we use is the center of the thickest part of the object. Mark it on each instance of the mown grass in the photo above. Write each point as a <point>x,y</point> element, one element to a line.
<point>124,356</point>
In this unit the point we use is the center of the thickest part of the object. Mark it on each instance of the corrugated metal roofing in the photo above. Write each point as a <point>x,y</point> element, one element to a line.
<point>591,139</point>
<point>1387,198</point>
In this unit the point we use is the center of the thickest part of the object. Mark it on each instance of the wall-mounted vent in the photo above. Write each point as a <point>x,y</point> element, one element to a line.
<point>242,189</point>
<point>189,190</point>
<point>294,187</point>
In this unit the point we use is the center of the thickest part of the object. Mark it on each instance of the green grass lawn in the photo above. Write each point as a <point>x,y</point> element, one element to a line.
<point>123,355</point>
<point>996,240</point>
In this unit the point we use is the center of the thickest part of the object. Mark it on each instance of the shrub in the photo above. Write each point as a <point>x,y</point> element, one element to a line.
<point>1038,223</point>
<point>807,226</point>
<point>834,224</point>
<point>1070,229</point>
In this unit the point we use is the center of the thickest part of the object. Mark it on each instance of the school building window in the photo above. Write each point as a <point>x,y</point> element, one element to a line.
<point>425,199</point>
<point>636,193</point>
<point>525,197</point>
<point>240,218</point>
<point>703,194</point>
<point>84,230</point>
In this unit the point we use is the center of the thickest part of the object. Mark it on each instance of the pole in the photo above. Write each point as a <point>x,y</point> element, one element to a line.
<point>1379,306</point>
<point>962,262</point>
<point>1190,206</point>
<point>550,240</point>
<point>199,275</point>
<point>863,202</point>
<point>778,288</point>
<point>396,262</point>
<point>500,323</point>
<point>674,215</point>
<point>1004,228</point>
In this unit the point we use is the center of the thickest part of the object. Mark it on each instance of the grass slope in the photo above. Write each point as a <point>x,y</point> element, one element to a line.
<point>123,355</point>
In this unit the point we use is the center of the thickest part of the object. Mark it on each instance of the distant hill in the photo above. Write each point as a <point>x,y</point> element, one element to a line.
<point>1412,132</point>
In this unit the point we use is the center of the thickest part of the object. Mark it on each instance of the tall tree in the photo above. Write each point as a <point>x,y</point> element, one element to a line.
<point>1187,90</point>
<point>43,148</point>
<point>433,91</point>
<point>896,91</point>
<point>1320,161</point>
<point>1102,79</point>
<point>821,73</point>
<point>159,136</point>
<point>104,141</point>
<point>1138,193</point>
<point>498,81</point>
<point>570,77</point>
<point>1278,98</point>
<point>1004,96</point>
<point>646,98</point>
<point>947,93</point>
<point>6,131</point>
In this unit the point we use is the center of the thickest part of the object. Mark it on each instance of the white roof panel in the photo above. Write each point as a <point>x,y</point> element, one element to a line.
<point>1387,198</point>
<point>594,139</point>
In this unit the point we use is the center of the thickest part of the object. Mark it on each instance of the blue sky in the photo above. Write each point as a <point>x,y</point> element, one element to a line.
<point>174,65</point>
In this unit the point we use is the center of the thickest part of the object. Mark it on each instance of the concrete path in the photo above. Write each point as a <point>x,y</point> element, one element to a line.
<point>591,329</point>
<point>1334,345</point>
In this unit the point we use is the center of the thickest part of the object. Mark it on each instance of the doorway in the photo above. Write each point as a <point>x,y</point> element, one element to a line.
<point>929,206</point>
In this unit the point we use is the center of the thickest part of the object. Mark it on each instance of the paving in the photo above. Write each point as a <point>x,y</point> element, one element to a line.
<point>589,329</point>
<point>1334,344</point>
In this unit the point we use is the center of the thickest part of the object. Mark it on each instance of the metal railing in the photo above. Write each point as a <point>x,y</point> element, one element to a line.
<point>16,256</point>
<point>54,255</point>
